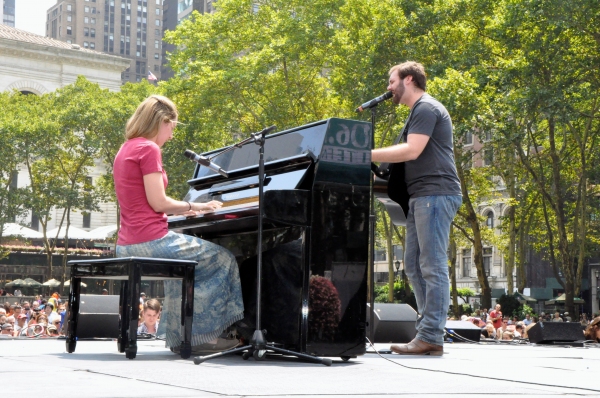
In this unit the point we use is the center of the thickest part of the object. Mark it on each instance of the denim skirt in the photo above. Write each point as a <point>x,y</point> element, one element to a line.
<point>217,292</point>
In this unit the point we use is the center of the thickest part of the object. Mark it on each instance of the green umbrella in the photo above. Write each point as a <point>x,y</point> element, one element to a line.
<point>28,282</point>
<point>15,283</point>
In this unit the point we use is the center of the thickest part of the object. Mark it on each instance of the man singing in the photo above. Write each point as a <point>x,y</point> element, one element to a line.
<point>435,196</point>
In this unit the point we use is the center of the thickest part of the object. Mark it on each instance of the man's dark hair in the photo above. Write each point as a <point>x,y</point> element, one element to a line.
<point>414,69</point>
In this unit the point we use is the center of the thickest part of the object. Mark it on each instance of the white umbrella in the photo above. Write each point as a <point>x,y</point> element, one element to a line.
<point>68,282</point>
<point>74,233</point>
<point>52,283</point>
<point>104,232</point>
<point>12,229</point>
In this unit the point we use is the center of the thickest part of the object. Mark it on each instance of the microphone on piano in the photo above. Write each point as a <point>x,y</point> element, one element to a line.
<point>204,161</point>
<point>374,101</point>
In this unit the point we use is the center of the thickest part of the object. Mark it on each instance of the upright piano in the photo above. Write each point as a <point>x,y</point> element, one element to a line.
<point>315,232</point>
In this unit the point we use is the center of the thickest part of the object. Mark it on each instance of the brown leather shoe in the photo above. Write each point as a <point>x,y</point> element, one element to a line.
<point>418,347</point>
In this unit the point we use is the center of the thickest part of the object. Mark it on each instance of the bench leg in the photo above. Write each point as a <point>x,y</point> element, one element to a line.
<point>134,303</point>
<point>187,311</point>
<point>123,316</point>
<point>74,301</point>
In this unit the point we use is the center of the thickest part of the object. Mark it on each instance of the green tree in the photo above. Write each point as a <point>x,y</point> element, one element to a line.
<point>246,67</point>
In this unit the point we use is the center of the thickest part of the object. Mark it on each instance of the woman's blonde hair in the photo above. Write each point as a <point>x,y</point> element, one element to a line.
<point>148,116</point>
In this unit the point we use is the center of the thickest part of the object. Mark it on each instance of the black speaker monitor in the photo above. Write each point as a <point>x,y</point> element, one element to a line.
<point>551,332</point>
<point>464,329</point>
<point>98,316</point>
<point>393,323</point>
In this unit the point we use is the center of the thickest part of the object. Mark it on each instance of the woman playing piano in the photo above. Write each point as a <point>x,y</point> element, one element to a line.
<point>140,183</point>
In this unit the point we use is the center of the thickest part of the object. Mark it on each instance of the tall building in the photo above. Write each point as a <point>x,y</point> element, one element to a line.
<point>128,28</point>
<point>7,14</point>
<point>175,11</point>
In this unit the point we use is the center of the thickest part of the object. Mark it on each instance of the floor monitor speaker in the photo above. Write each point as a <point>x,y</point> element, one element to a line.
<point>555,332</point>
<point>98,316</point>
<point>393,323</point>
<point>464,329</point>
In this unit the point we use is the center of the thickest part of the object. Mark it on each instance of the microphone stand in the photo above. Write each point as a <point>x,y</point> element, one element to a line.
<point>372,220</point>
<point>258,346</point>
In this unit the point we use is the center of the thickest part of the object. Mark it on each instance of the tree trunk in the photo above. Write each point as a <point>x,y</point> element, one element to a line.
<point>453,291</point>
<point>510,260</point>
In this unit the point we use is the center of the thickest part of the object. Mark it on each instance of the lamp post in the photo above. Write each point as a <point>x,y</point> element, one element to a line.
<point>397,264</point>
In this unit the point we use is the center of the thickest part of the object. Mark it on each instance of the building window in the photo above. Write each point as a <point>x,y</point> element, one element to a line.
<point>466,263</point>
<point>157,22</point>
<point>69,41</point>
<point>489,219</point>
<point>69,7</point>
<point>69,18</point>
<point>488,157</point>
<point>469,138</point>
<point>155,56</point>
<point>14,180</point>
<point>487,260</point>
<point>156,43</point>
<point>86,31</point>
<point>93,21</point>
<point>92,45</point>
<point>69,30</point>
<point>86,20</point>
<point>86,9</point>
<point>158,11</point>
<point>35,222</point>
<point>85,44</point>
<point>93,32</point>
<point>93,10</point>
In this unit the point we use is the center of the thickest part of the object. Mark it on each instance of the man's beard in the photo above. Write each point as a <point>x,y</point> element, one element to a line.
<point>398,93</point>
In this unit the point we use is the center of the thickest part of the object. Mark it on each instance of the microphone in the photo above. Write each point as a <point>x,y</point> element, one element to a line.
<point>203,161</point>
<point>374,101</point>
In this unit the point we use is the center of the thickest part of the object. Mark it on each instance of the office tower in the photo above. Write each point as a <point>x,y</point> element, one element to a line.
<point>7,14</point>
<point>127,28</point>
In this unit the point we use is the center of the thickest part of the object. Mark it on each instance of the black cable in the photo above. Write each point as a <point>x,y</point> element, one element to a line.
<point>477,377</point>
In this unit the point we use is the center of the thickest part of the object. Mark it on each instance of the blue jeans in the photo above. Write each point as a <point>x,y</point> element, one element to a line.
<point>426,261</point>
<point>217,291</point>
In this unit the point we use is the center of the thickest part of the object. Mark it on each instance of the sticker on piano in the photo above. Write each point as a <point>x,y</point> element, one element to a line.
<point>348,145</point>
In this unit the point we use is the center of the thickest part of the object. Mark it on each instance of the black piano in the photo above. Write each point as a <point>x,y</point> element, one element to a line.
<point>315,234</point>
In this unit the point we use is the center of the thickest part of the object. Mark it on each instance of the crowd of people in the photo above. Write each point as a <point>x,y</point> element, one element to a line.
<point>494,325</point>
<point>42,318</point>
<point>39,318</point>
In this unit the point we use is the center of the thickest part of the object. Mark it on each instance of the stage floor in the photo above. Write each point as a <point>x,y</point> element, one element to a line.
<point>96,369</point>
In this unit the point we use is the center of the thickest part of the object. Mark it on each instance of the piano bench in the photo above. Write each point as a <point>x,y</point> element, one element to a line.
<point>131,271</point>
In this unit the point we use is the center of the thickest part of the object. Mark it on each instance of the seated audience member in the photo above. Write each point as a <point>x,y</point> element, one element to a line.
<point>527,320</point>
<point>567,317</point>
<point>557,317</point>
<point>489,332</point>
<point>2,319</point>
<point>519,330</point>
<point>592,332</point>
<point>150,316</point>
<point>51,331</point>
<point>532,324</point>
<point>583,319</point>
<point>507,335</point>
<point>6,330</point>
<point>21,322</point>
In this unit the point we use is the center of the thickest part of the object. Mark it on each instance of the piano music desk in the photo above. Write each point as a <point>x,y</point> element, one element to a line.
<point>131,271</point>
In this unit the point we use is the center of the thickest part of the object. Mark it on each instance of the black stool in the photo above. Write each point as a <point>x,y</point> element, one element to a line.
<point>131,271</point>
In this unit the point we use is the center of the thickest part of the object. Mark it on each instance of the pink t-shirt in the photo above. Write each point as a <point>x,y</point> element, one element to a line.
<point>139,222</point>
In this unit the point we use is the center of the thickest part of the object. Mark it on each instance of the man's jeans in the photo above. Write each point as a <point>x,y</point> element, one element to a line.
<point>426,261</point>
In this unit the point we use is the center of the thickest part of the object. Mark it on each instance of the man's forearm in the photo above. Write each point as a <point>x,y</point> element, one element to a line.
<point>392,154</point>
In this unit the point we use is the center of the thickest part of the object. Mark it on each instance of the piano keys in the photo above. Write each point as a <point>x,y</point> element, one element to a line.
<point>315,232</point>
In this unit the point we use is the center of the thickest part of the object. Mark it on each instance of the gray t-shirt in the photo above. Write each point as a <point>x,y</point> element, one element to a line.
<point>434,171</point>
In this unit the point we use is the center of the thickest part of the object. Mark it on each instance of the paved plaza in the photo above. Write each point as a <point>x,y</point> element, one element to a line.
<point>97,369</point>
